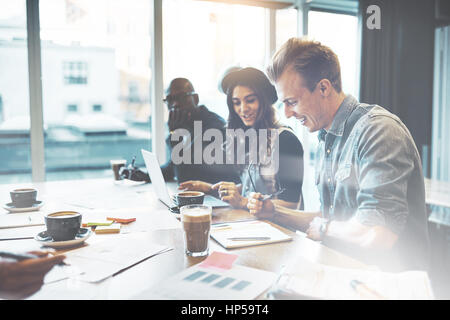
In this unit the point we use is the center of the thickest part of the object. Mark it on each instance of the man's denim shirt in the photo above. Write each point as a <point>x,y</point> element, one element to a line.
<point>368,168</point>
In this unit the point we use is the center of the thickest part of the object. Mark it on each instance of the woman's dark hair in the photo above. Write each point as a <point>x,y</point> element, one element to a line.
<point>257,81</point>
<point>265,92</point>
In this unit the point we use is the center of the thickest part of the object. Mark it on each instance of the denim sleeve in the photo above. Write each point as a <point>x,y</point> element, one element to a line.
<point>385,162</point>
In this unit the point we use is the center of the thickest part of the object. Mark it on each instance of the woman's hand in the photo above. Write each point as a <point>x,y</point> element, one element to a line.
<point>261,209</point>
<point>229,192</point>
<point>195,185</point>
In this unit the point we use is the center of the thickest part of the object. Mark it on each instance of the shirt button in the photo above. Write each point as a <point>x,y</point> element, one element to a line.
<point>329,180</point>
<point>331,207</point>
<point>328,151</point>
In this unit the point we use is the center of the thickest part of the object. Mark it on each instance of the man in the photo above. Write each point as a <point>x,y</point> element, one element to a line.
<point>20,279</point>
<point>182,102</point>
<point>368,169</point>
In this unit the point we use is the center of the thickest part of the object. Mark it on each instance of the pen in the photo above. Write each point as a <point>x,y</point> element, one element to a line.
<point>22,256</point>
<point>248,238</point>
<point>17,256</point>
<point>364,291</point>
<point>270,196</point>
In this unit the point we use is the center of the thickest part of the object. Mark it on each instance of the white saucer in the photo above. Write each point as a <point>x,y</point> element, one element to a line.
<point>11,208</point>
<point>47,241</point>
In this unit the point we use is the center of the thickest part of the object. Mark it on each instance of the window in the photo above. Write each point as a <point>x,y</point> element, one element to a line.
<point>15,157</point>
<point>2,116</point>
<point>340,33</point>
<point>100,51</point>
<point>213,37</point>
<point>90,40</point>
<point>75,72</point>
<point>286,25</point>
<point>97,108</point>
<point>72,108</point>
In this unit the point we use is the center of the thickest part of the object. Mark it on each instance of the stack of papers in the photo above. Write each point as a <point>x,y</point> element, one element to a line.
<point>102,259</point>
<point>21,225</point>
<point>326,282</point>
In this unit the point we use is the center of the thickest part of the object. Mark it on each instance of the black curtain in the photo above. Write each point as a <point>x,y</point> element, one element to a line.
<point>397,64</point>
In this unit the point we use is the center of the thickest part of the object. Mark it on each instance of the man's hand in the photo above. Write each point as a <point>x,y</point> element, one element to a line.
<point>195,185</point>
<point>180,118</point>
<point>313,231</point>
<point>261,209</point>
<point>229,192</point>
<point>20,279</point>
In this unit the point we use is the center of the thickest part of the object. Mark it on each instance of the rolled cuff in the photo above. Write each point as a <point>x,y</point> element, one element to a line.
<point>373,217</point>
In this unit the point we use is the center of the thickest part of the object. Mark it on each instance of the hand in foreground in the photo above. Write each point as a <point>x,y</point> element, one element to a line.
<point>261,209</point>
<point>20,279</point>
<point>195,185</point>
<point>229,192</point>
<point>313,232</point>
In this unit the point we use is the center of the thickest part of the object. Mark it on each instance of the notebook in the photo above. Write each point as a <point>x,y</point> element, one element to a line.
<point>235,234</point>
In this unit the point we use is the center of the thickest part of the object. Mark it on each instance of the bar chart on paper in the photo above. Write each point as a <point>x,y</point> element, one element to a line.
<point>197,282</point>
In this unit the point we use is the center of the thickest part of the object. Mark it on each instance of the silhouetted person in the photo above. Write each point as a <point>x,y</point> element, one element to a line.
<point>182,102</point>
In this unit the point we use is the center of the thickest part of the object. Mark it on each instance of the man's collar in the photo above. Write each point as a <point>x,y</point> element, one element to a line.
<point>341,116</point>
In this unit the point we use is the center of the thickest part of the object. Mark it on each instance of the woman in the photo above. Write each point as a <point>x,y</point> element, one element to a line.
<point>278,167</point>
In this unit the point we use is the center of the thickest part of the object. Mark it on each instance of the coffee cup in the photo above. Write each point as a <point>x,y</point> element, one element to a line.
<point>23,198</point>
<point>188,197</point>
<point>63,225</point>
<point>196,222</point>
<point>115,166</point>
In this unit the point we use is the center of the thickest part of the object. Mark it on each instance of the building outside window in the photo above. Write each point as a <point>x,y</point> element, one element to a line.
<point>75,72</point>
<point>15,153</point>
<point>72,108</point>
<point>97,108</point>
<point>92,44</point>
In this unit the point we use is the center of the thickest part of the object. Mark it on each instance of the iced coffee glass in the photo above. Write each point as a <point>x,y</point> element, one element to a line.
<point>196,221</point>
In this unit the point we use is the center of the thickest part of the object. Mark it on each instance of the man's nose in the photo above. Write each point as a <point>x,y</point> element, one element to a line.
<point>288,111</point>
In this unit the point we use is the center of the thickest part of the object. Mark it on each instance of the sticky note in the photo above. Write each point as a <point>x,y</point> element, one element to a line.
<point>99,223</point>
<point>121,220</point>
<point>113,228</point>
<point>219,260</point>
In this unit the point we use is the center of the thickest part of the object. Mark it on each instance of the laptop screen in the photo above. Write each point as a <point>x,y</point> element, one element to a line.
<point>158,182</point>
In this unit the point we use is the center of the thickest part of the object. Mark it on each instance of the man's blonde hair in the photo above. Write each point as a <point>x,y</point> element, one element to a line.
<point>312,60</point>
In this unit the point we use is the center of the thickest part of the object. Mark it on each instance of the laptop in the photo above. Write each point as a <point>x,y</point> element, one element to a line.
<point>160,187</point>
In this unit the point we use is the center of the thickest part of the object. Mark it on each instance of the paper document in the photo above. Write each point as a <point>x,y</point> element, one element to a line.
<point>25,219</point>
<point>326,282</point>
<point>107,257</point>
<point>206,283</point>
<point>234,234</point>
<point>21,233</point>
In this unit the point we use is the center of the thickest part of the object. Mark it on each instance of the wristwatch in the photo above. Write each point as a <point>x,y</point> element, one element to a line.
<point>324,228</point>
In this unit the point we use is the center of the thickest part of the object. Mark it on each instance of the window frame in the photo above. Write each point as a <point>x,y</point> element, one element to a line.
<point>157,90</point>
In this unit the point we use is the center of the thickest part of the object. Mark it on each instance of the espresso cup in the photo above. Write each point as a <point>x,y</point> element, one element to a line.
<point>188,197</point>
<point>196,221</point>
<point>23,198</point>
<point>115,166</point>
<point>63,225</point>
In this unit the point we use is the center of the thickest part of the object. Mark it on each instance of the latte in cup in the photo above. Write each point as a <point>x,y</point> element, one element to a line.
<point>196,220</point>
<point>63,225</point>
<point>189,197</point>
